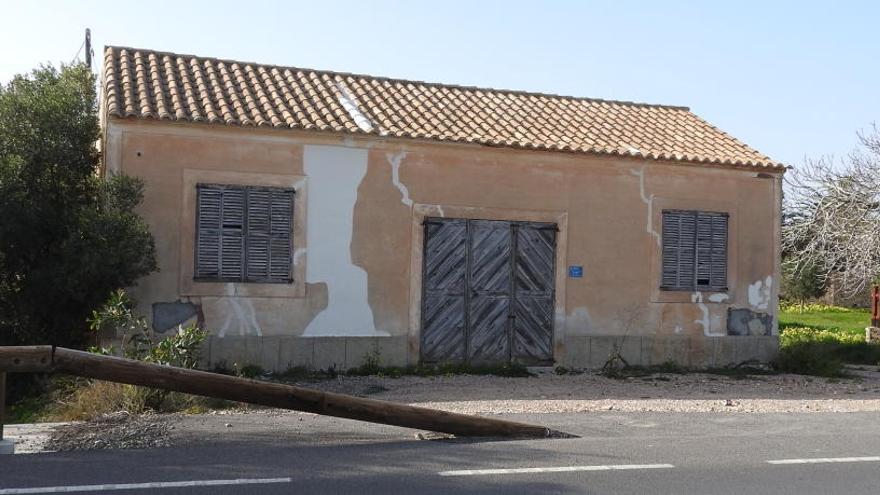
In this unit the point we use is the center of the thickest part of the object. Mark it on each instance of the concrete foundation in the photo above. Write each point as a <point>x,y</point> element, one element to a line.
<point>278,354</point>
<point>687,351</point>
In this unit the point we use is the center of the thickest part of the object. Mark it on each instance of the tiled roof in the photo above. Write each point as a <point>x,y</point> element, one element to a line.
<point>166,86</point>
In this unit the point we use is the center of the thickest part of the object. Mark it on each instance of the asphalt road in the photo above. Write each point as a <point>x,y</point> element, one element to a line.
<point>616,453</point>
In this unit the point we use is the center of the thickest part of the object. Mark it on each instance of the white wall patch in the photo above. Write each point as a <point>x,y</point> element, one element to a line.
<point>718,298</point>
<point>394,159</point>
<point>334,176</point>
<point>648,200</point>
<point>759,293</point>
<point>711,323</point>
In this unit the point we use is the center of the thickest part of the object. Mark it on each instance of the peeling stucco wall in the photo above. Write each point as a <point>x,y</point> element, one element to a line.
<point>360,231</point>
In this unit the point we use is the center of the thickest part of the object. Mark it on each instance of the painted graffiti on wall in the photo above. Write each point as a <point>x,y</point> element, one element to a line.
<point>334,176</point>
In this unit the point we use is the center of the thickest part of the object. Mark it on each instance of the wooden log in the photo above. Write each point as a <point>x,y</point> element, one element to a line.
<point>195,382</point>
<point>26,359</point>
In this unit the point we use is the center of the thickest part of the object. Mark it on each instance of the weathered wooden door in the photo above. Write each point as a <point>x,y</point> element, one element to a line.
<point>488,291</point>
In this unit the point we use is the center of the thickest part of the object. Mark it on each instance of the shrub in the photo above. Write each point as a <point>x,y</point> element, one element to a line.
<point>812,351</point>
<point>808,358</point>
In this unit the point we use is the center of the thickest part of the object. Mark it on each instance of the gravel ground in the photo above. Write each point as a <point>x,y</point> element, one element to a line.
<point>489,395</point>
<point>548,392</point>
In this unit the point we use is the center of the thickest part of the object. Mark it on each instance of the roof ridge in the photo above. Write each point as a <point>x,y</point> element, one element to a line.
<point>411,81</point>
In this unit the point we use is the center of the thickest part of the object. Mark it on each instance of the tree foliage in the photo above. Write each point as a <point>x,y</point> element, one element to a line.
<point>831,227</point>
<point>68,237</point>
<point>804,284</point>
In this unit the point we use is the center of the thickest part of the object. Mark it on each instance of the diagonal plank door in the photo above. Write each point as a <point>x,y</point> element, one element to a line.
<point>488,291</point>
<point>534,290</point>
<point>443,307</point>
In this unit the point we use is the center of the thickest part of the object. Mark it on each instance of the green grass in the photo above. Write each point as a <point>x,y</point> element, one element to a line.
<point>825,318</point>
<point>818,339</point>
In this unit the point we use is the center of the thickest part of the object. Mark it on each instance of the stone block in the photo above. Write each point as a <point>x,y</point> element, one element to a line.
<point>602,348</point>
<point>577,351</point>
<point>701,351</point>
<point>230,351</point>
<point>872,334</point>
<point>746,349</point>
<point>359,349</point>
<point>724,352</point>
<point>270,353</point>
<point>329,353</point>
<point>767,348</point>
<point>296,351</point>
<point>666,349</point>
<point>394,350</point>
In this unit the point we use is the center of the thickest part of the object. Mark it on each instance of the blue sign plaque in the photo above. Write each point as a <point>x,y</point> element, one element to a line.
<point>575,271</point>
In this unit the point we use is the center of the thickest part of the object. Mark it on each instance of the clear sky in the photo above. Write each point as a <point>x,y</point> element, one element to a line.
<point>790,78</point>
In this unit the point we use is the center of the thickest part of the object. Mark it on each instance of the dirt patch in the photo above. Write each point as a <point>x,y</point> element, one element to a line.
<point>113,431</point>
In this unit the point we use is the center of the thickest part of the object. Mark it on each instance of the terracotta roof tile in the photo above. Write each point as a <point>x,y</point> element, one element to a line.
<point>148,84</point>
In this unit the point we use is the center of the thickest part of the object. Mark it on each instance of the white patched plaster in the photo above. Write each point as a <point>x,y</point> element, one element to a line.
<point>759,293</point>
<point>711,323</point>
<point>297,255</point>
<point>349,103</point>
<point>649,201</point>
<point>718,298</point>
<point>334,176</point>
<point>239,313</point>
<point>394,160</point>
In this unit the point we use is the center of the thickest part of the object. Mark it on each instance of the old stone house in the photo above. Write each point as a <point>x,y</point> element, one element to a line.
<point>315,218</point>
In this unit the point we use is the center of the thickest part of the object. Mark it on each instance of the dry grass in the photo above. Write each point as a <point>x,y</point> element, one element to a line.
<point>88,399</point>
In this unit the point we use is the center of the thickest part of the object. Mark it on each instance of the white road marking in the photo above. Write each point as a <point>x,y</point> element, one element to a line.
<point>560,469</point>
<point>823,460</point>
<point>140,486</point>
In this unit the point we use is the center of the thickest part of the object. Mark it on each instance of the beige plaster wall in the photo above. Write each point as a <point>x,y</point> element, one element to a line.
<point>608,211</point>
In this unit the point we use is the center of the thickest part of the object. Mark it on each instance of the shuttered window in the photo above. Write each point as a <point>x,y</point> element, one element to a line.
<point>694,250</point>
<point>244,234</point>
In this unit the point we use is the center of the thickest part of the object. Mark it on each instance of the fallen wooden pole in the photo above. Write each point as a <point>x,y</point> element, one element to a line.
<point>120,370</point>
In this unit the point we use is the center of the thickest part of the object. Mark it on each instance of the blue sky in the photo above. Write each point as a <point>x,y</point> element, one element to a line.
<point>792,79</point>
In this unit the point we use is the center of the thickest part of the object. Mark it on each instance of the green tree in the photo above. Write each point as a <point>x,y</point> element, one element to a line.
<point>802,284</point>
<point>68,238</point>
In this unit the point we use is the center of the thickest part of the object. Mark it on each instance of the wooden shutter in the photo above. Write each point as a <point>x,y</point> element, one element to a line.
<point>232,234</point>
<point>208,228</point>
<point>719,251</point>
<point>258,232</point>
<point>679,253</point>
<point>281,235</point>
<point>694,250</point>
<point>244,233</point>
<point>704,250</point>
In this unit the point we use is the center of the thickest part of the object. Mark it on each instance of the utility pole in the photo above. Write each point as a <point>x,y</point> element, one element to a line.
<point>89,47</point>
